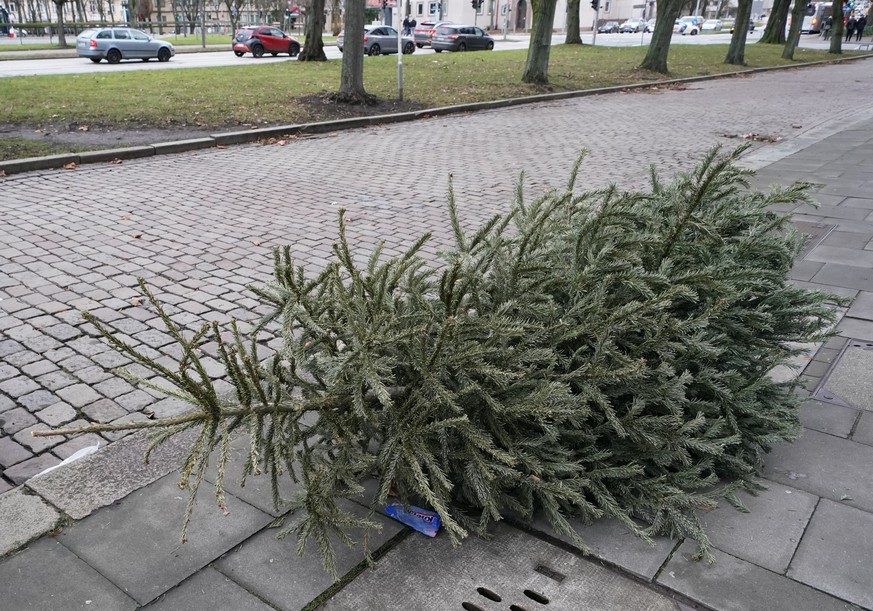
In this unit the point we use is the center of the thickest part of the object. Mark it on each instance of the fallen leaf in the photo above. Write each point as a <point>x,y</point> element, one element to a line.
<point>116,161</point>
<point>220,146</point>
<point>282,142</point>
<point>71,166</point>
<point>796,125</point>
<point>256,242</point>
<point>846,497</point>
<point>125,218</point>
<point>83,128</point>
<point>135,301</point>
<point>137,236</point>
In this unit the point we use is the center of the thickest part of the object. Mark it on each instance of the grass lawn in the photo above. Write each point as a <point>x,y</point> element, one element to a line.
<point>289,92</point>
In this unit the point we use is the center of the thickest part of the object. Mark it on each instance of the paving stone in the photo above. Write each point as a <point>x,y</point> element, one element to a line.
<point>103,411</point>
<point>113,387</point>
<point>56,380</point>
<point>36,445</point>
<point>4,486</point>
<point>38,368</point>
<point>111,359</point>
<point>16,387</point>
<point>75,363</point>
<point>67,449</point>
<point>25,470</point>
<point>769,533</point>
<point>850,381</point>
<point>207,589</point>
<point>49,577</point>
<point>862,306</point>
<point>514,566</point>
<point>57,414</point>
<point>79,395</point>
<point>93,374</point>
<point>23,517</point>
<point>828,417</point>
<point>135,545</point>
<point>9,346</point>
<point>261,565</point>
<point>826,466</point>
<point>98,480</point>
<point>135,401</point>
<point>12,452</point>
<point>835,553</point>
<point>6,403</point>
<point>731,584</point>
<point>88,346</point>
<point>20,359</point>
<point>62,331</point>
<point>116,435</point>
<point>14,420</point>
<point>37,400</point>
<point>7,371</point>
<point>171,406</point>
<point>864,431</point>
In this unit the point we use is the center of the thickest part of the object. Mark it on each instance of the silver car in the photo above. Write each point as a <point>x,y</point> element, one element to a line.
<point>116,44</point>
<point>380,40</point>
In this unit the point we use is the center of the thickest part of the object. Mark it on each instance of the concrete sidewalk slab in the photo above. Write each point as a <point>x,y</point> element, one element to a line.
<point>272,570</point>
<point>836,554</point>
<point>511,570</point>
<point>829,418</point>
<point>769,534</point>
<point>49,577</point>
<point>208,589</point>
<point>23,517</point>
<point>731,584</point>
<point>136,543</point>
<point>110,474</point>
<point>826,466</point>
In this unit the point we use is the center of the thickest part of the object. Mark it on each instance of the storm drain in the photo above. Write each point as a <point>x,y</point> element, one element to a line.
<point>849,383</point>
<point>511,571</point>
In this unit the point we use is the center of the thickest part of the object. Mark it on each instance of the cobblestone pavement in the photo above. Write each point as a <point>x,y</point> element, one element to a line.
<point>200,226</point>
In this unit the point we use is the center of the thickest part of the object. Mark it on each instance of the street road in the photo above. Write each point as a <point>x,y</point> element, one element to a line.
<point>200,226</point>
<point>31,67</point>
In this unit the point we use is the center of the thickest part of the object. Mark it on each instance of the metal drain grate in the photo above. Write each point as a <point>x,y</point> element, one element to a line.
<point>491,595</point>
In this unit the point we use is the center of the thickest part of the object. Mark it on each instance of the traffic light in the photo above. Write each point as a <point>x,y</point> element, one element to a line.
<point>595,4</point>
<point>384,4</point>
<point>477,4</point>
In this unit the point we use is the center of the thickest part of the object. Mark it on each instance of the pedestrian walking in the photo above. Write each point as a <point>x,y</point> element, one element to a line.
<point>850,27</point>
<point>826,28</point>
<point>406,25</point>
<point>859,27</point>
<point>412,25</point>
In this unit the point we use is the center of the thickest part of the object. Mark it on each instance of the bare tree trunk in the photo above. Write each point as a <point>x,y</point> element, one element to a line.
<point>62,37</point>
<point>737,51</point>
<point>665,16</point>
<point>837,30</point>
<point>794,32</point>
<point>574,37</point>
<point>336,17</point>
<point>313,46</point>
<point>352,76</point>
<point>536,69</point>
<point>774,33</point>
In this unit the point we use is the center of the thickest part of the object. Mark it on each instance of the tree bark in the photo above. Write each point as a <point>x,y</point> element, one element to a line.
<point>794,32</point>
<point>837,30</point>
<point>313,46</point>
<point>774,33</point>
<point>536,69</point>
<point>336,17</point>
<point>574,37</point>
<point>62,37</point>
<point>352,76</point>
<point>665,15</point>
<point>737,51</point>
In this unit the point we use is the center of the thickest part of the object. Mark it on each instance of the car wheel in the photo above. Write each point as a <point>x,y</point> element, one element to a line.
<point>419,45</point>
<point>375,49</point>
<point>694,32</point>
<point>273,53</point>
<point>437,50</point>
<point>114,56</point>
<point>408,48</point>
<point>489,46</point>
<point>96,60</point>
<point>238,53</point>
<point>258,51</point>
<point>294,49</point>
<point>163,54</point>
<point>145,59</point>
<point>462,47</point>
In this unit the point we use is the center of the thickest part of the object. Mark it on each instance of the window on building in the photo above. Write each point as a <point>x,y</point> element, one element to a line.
<point>606,7</point>
<point>421,8</point>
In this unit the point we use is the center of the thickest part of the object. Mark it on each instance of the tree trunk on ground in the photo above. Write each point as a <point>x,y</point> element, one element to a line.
<point>794,32</point>
<point>352,76</point>
<point>737,51</point>
<point>536,69</point>
<point>336,17</point>
<point>774,33</point>
<point>574,37</point>
<point>666,15</point>
<point>837,30</point>
<point>62,38</point>
<point>313,46</point>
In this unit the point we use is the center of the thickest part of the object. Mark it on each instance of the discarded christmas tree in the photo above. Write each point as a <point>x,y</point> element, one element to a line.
<point>595,354</point>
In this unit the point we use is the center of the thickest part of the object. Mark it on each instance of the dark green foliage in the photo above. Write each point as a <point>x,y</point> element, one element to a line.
<point>596,354</point>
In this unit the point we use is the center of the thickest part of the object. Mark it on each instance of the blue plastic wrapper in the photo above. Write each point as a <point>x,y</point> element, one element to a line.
<point>422,520</point>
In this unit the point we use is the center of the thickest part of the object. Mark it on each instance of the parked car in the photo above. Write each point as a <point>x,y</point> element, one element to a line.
<point>425,30</point>
<point>751,26</point>
<point>608,28</point>
<point>688,25</point>
<point>633,26</point>
<point>650,25</point>
<point>461,38</point>
<point>712,24</point>
<point>116,44</point>
<point>260,39</point>
<point>380,40</point>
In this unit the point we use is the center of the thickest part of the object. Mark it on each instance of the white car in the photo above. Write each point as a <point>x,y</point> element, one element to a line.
<point>688,25</point>
<point>712,24</point>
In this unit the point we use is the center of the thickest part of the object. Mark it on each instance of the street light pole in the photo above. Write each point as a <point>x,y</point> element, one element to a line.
<point>203,22</point>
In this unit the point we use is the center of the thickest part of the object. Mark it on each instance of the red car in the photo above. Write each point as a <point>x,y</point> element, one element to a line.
<point>260,39</point>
